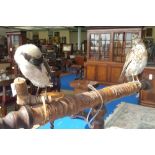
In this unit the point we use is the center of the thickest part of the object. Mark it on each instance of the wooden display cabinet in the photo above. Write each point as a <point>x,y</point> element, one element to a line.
<point>14,40</point>
<point>147,97</point>
<point>106,52</point>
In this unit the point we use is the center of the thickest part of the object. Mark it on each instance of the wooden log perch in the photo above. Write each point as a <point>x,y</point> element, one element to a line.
<point>22,91</point>
<point>33,112</point>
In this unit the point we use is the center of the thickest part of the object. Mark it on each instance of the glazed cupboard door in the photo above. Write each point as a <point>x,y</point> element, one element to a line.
<point>105,46</point>
<point>122,44</point>
<point>94,46</point>
<point>99,46</point>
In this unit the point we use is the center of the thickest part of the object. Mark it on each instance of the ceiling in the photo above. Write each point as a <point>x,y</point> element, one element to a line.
<point>33,28</point>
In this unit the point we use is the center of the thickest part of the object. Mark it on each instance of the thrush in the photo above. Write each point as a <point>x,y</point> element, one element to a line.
<point>136,60</point>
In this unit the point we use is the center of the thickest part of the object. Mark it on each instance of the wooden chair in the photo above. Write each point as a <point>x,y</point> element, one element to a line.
<point>78,66</point>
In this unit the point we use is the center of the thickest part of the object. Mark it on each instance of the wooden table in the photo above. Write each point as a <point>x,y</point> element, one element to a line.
<point>82,85</point>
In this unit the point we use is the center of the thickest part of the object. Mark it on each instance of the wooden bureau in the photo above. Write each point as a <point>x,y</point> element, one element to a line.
<point>147,97</point>
<point>104,72</point>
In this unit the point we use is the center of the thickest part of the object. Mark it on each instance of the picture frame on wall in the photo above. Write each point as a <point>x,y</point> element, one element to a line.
<point>149,32</point>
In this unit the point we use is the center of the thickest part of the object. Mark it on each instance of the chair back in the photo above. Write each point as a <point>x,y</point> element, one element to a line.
<point>79,60</point>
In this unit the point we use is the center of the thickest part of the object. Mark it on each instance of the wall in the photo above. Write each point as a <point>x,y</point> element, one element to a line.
<point>44,34</point>
<point>29,35</point>
<point>65,33</point>
<point>153,32</point>
<point>71,37</point>
<point>74,37</point>
<point>4,66</point>
<point>4,30</point>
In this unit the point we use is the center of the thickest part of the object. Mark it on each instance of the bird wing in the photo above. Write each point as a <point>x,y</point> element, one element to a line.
<point>47,68</point>
<point>137,54</point>
<point>128,60</point>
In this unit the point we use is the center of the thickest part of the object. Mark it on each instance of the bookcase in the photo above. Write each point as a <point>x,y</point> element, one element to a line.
<point>106,52</point>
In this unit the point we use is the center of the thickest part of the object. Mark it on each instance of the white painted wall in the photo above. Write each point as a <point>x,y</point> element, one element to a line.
<point>71,37</point>
<point>4,30</point>
<point>74,37</point>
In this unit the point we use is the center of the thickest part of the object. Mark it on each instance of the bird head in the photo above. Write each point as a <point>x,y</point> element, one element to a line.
<point>28,52</point>
<point>31,50</point>
<point>136,39</point>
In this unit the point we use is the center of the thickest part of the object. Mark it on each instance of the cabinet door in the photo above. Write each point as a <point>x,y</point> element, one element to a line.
<point>105,46</point>
<point>102,72</point>
<point>99,44</point>
<point>114,73</point>
<point>94,46</point>
<point>122,44</point>
<point>91,72</point>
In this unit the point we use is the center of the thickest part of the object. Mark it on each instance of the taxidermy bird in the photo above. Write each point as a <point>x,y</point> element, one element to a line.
<point>32,65</point>
<point>136,60</point>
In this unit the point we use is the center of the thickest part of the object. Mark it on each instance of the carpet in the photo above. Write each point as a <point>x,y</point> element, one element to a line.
<point>66,123</point>
<point>65,81</point>
<point>130,116</point>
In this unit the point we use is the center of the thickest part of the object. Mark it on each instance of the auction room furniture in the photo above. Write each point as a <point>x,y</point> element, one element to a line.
<point>147,97</point>
<point>14,40</point>
<point>78,65</point>
<point>106,50</point>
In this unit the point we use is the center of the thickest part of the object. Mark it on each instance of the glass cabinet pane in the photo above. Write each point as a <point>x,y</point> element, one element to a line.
<point>111,44</point>
<point>94,46</point>
<point>96,36</point>
<point>92,43</point>
<point>92,36</point>
<point>118,46</point>
<point>103,36</point>
<point>105,46</point>
<point>128,36</point>
<point>118,36</point>
<point>107,36</point>
<point>96,43</point>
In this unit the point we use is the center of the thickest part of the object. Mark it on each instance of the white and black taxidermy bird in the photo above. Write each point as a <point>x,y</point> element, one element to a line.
<point>136,60</point>
<point>32,65</point>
